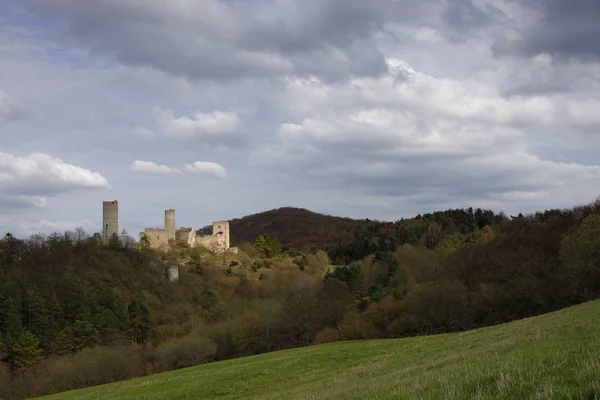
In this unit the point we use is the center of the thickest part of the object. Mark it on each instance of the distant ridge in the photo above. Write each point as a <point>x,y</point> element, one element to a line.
<point>296,227</point>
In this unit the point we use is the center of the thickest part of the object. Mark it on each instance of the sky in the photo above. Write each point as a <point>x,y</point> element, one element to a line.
<point>223,108</point>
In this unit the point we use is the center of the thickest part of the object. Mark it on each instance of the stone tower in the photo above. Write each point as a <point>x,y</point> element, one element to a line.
<point>222,228</point>
<point>110,220</point>
<point>170,223</point>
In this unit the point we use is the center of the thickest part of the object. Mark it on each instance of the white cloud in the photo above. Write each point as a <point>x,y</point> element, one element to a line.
<point>8,108</point>
<point>207,168</point>
<point>448,125</point>
<point>41,173</point>
<point>46,226</point>
<point>410,134</point>
<point>200,124</point>
<point>585,114</point>
<point>148,166</point>
<point>22,201</point>
<point>143,132</point>
<point>36,201</point>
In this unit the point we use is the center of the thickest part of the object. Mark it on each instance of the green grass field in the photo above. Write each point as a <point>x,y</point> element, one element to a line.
<point>553,356</point>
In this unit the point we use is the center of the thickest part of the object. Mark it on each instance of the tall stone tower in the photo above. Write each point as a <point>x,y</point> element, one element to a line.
<point>170,223</point>
<point>222,227</point>
<point>110,220</point>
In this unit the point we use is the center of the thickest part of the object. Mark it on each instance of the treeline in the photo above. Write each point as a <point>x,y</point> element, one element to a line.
<point>451,228</point>
<point>76,313</point>
<point>480,275</point>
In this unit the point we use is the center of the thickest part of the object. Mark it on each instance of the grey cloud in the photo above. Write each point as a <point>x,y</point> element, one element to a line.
<point>470,146</point>
<point>463,17</point>
<point>546,75</point>
<point>565,29</point>
<point>369,145</point>
<point>10,110</point>
<point>332,39</point>
<point>22,201</point>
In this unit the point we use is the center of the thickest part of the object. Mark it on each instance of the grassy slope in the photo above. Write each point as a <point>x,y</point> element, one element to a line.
<point>551,356</point>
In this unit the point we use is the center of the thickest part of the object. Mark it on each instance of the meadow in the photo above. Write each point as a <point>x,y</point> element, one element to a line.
<point>551,356</point>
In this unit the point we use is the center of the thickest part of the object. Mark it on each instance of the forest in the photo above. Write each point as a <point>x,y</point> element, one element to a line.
<point>75,313</point>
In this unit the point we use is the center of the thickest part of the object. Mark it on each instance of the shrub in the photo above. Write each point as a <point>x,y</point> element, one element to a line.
<point>92,366</point>
<point>190,350</point>
<point>327,335</point>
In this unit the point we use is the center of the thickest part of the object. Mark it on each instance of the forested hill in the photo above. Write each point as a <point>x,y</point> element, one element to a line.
<point>296,228</point>
<point>347,239</point>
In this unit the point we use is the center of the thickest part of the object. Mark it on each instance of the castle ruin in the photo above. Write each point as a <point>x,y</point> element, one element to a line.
<point>218,242</point>
<point>110,220</point>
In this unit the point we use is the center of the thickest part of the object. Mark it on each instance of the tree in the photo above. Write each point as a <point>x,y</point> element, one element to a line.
<point>267,247</point>
<point>10,250</point>
<point>37,318</point>
<point>127,241</point>
<point>26,351</point>
<point>145,243</point>
<point>140,320</point>
<point>580,260</point>
<point>351,276</point>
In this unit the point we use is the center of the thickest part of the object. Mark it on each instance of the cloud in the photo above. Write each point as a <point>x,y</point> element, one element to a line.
<point>544,74</point>
<point>385,108</point>
<point>565,29</point>
<point>148,166</point>
<point>46,226</point>
<point>585,114</point>
<point>211,39</point>
<point>421,137</point>
<point>9,109</point>
<point>144,132</point>
<point>207,168</point>
<point>31,178</point>
<point>202,125</point>
<point>22,201</point>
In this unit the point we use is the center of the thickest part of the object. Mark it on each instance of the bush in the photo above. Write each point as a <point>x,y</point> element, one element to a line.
<point>92,366</point>
<point>190,350</point>
<point>327,335</point>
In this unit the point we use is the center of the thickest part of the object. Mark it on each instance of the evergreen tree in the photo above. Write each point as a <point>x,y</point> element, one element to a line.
<point>64,343</point>
<point>140,321</point>
<point>37,318</point>
<point>144,243</point>
<point>26,351</point>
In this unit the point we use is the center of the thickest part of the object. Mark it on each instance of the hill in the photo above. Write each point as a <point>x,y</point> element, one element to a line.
<point>551,356</point>
<point>296,227</point>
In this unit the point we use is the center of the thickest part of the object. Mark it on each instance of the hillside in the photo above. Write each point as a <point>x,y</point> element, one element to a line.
<point>553,356</point>
<point>296,227</point>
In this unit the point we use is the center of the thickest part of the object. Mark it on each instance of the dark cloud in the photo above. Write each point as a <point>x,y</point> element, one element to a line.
<point>463,17</point>
<point>565,29</point>
<point>213,39</point>
<point>382,108</point>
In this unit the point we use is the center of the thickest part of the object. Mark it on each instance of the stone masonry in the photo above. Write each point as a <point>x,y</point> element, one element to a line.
<point>217,242</point>
<point>110,220</point>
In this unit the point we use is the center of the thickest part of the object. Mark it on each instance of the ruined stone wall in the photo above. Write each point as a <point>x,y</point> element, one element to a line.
<point>222,228</point>
<point>158,238</point>
<point>183,233</point>
<point>211,242</point>
<point>110,220</point>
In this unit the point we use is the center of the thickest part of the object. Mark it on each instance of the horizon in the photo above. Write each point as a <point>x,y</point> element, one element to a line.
<point>135,235</point>
<point>383,111</point>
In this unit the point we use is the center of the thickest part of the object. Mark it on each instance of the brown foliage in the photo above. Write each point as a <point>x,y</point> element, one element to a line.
<point>296,227</point>
<point>327,335</point>
<point>187,351</point>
